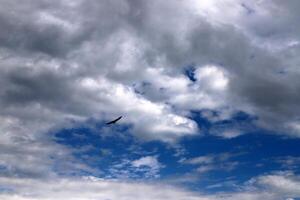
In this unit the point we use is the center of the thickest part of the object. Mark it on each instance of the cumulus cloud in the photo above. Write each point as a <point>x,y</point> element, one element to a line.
<point>61,53</point>
<point>284,183</point>
<point>264,71</point>
<point>67,62</point>
<point>282,186</point>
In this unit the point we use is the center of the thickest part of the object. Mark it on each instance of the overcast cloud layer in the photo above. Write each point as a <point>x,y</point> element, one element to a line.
<point>63,63</point>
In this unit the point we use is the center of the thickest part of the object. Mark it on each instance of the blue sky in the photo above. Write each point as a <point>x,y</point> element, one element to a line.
<point>230,161</point>
<point>208,91</point>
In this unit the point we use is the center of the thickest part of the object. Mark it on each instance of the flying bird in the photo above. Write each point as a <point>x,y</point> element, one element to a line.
<point>114,121</point>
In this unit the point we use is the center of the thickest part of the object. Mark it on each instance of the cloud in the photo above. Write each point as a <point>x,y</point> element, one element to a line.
<point>146,167</point>
<point>263,71</point>
<point>212,162</point>
<point>67,62</point>
<point>150,163</point>
<point>93,188</point>
<point>288,162</point>
<point>63,56</point>
<point>200,160</point>
<point>285,184</point>
<point>271,187</point>
<point>230,133</point>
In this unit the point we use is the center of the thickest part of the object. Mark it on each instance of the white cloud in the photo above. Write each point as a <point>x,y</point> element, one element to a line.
<point>211,77</point>
<point>228,11</point>
<point>92,65</point>
<point>88,188</point>
<point>200,160</point>
<point>67,62</point>
<point>209,91</point>
<point>295,128</point>
<point>150,164</point>
<point>148,161</point>
<point>211,162</point>
<point>228,133</point>
<point>282,184</point>
<point>147,167</point>
<point>92,188</point>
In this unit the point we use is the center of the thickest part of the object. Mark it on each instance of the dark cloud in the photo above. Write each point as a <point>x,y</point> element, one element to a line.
<point>22,31</point>
<point>63,60</point>
<point>27,87</point>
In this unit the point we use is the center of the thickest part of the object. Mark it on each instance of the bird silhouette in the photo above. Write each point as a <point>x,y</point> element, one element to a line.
<point>114,121</point>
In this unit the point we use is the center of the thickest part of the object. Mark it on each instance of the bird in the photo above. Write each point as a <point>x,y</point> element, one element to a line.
<point>114,121</point>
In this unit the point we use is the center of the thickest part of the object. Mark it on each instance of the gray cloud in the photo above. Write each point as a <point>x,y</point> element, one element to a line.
<point>67,61</point>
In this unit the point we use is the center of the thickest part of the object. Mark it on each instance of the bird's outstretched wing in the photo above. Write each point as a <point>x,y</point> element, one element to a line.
<point>114,121</point>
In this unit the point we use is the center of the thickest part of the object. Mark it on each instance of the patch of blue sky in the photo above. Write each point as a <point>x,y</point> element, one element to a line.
<point>112,150</point>
<point>189,71</point>
<point>5,189</point>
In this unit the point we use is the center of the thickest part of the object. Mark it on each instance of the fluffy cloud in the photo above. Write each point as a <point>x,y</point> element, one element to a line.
<point>263,70</point>
<point>67,62</point>
<point>282,186</point>
<point>92,188</point>
<point>61,53</point>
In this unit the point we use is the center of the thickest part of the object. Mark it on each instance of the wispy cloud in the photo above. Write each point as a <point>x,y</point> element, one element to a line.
<point>212,162</point>
<point>147,167</point>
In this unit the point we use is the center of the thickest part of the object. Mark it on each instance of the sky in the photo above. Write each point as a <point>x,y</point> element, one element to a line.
<point>208,91</point>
